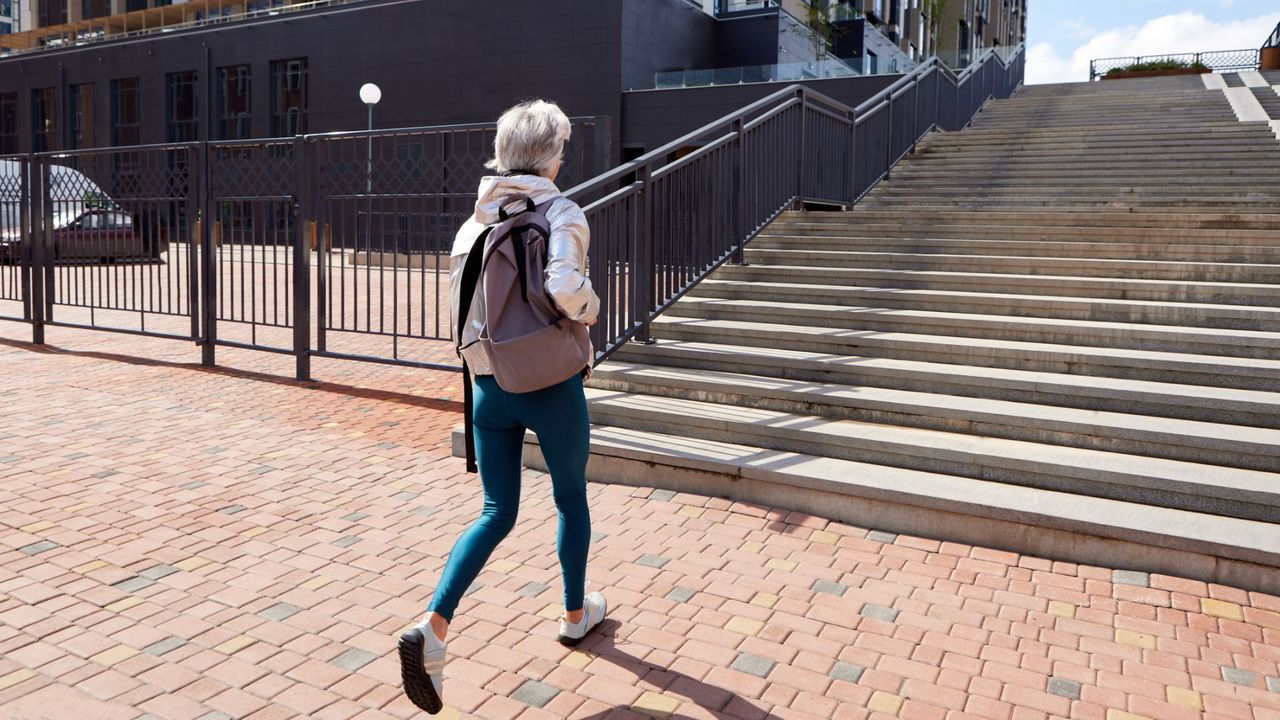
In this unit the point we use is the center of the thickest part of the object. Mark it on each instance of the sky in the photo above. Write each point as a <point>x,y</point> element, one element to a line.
<point>1063,35</point>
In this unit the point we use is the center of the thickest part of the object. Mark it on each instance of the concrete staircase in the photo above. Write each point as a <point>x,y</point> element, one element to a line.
<point>1056,332</point>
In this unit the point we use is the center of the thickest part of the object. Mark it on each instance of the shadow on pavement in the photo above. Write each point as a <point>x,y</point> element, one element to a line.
<point>714,700</point>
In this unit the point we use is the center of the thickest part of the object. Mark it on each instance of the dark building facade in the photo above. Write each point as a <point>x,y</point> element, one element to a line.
<point>436,61</point>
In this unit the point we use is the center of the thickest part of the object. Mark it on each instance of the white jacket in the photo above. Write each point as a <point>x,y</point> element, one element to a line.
<point>566,276</point>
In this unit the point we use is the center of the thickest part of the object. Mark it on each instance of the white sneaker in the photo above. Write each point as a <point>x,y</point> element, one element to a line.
<point>422,668</point>
<point>594,609</point>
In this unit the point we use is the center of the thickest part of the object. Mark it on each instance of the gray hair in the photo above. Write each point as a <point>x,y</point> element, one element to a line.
<point>531,137</point>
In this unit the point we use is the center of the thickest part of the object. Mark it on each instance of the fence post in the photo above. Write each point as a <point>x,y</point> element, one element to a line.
<point>642,277</point>
<point>739,189</point>
<point>32,255</point>
<point>208,261</point>
<point>191,241</point>
<point>303,216</point>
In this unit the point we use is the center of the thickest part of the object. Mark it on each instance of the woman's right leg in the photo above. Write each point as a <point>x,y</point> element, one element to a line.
<point>499,444</point>
<point>558,415</point>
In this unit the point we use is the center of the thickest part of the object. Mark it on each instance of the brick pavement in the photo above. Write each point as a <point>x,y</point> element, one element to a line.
<point>180,543</point>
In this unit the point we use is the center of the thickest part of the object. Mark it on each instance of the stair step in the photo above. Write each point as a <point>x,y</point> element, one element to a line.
<point>1041,522</point>
<point>1257,294</point>
<point>1203,404</point>
<point>1022,265</point>
<point>869,241</point>
<point>943,229</point>
<point>1168,367</point>
<point>1210,489</point>
<point>1199,315</point>
<point>1096,333</point>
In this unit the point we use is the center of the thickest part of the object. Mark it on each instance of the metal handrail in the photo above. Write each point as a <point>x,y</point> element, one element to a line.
<point>663,222</point>
<point>1273,40</point>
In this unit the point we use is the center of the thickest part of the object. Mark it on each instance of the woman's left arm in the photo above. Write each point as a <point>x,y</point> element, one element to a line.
<point>566,279</point>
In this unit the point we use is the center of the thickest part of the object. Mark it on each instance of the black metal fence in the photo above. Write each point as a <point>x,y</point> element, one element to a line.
<point>333,244</point>
<point>337,245</point>
<point>1217,61</point>
<point>672,216</point>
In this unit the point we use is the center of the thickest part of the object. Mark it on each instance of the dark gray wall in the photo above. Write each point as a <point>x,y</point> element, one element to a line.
<point>437,61</point>
<point>748,40</point>
<point>655,117</point>
<point>661,35</point>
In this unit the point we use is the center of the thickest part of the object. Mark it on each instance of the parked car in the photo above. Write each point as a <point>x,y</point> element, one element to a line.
<point>88,226</point>
<point>106,235</point>
<point>98,235</point>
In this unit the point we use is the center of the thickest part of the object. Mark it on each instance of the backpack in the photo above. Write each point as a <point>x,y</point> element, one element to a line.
<point>531,344</point>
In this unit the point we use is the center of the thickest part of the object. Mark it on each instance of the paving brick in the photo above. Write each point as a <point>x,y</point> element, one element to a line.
<point>879,612</point>
<point>535,694</point>
<point>1237,676</point>
<point>753,665</point>
<point>353,659</point>
<point>1069,689</point>
<point>1131,577</point>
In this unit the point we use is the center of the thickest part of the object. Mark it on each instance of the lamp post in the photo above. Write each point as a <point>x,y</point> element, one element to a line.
<point>370,94</point>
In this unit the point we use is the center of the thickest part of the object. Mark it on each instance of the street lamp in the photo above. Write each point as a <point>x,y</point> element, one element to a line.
<point>370,94</point>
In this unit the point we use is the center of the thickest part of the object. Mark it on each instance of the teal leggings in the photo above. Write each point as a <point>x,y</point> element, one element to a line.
<point>558,416</point>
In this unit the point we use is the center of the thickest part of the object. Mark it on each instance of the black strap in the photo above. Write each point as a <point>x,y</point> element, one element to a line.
<point>468,419</point>
<point>528,207</point>
<point>470,278</point>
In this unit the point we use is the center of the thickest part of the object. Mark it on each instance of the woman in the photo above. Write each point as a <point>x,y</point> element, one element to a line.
<point>528,151</point>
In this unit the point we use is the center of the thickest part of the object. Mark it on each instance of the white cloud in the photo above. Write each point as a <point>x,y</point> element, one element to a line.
<point>1180,33</point>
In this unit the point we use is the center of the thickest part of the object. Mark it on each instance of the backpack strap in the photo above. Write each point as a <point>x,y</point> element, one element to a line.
<point>470,278</point>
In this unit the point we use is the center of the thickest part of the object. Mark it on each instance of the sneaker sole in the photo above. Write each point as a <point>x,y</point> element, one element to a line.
<point>417,684</point>
<point>571,641</point>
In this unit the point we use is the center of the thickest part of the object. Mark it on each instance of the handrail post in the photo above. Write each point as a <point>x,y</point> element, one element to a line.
<point>888,155</point>
<point>302,217</point>
<point>739,171</point>
<point>853,157</point>
<point>915,116</point>
<point>642,270</point>
<point>804,147</point>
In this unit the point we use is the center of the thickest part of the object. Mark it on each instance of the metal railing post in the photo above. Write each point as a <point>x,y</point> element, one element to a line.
<point>642,277</point>
<point>303,216</point>
<point>32,256</point>
<point>208,262</point>
<point>888,155</point>
<point>853,157</point>
<point>739,190</point>
<point>804,147</point>
<point>915,115</point>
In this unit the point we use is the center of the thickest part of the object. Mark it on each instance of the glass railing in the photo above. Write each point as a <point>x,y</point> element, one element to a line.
<point>781,72</point>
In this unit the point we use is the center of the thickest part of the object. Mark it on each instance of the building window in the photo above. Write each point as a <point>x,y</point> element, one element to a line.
<point>81,116</point>
<point>91,9</point>
<point>181,107</point>
<point>51,12</point>
<point>44,125</point>
<point>132,5</point>
<point>9,123</point>
<point>235,85</point>
<point>288,97</point>
<point>125,118</point>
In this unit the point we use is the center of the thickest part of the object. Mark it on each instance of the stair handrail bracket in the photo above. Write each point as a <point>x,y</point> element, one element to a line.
<point>663,222</point>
